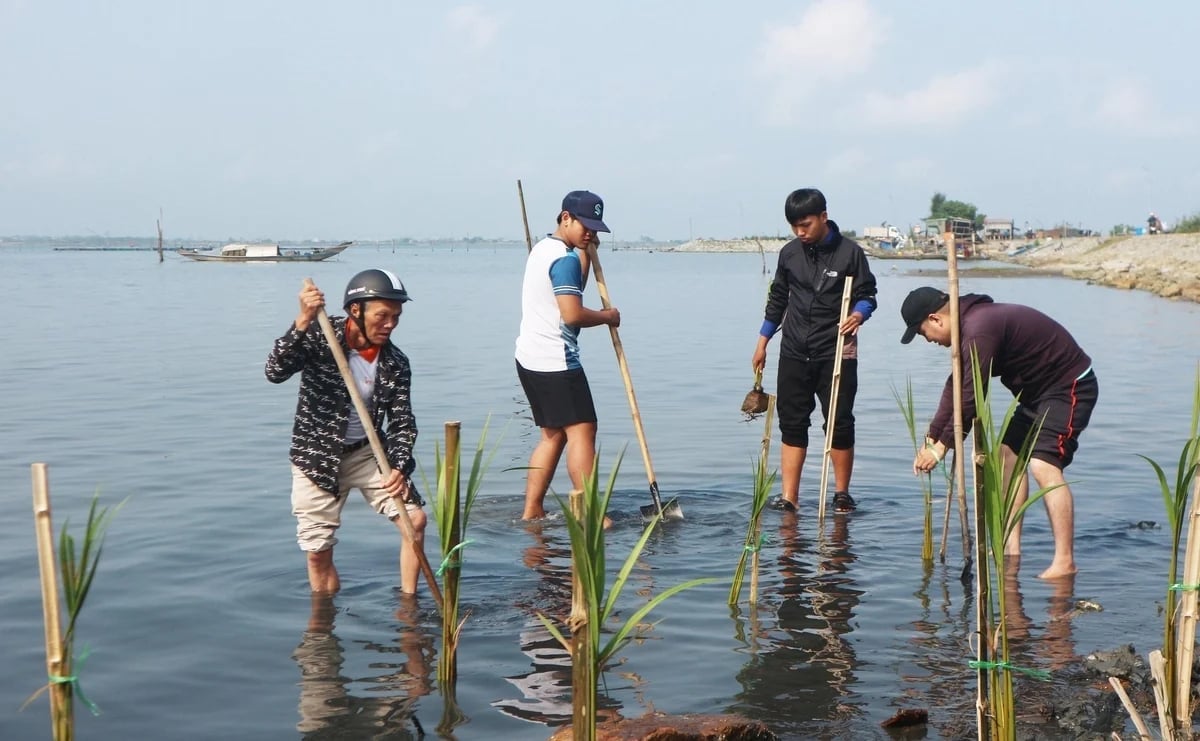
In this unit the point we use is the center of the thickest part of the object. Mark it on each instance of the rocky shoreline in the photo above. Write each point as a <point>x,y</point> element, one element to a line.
<point>1166,265</point>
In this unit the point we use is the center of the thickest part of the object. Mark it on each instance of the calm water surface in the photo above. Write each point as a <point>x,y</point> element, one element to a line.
<point>144,381</point>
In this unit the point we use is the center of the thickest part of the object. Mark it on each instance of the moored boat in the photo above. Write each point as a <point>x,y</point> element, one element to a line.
<point>239,252</point>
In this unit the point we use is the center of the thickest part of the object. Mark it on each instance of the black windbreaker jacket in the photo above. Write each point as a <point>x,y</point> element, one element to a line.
<point>806,294</point>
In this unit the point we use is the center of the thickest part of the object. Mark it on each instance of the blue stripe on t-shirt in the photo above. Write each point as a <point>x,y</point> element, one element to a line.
<point>566,275</point>
<point>566,278</point>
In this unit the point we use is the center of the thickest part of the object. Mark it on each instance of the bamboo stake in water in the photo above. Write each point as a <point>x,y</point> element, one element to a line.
<point>835,385</point>
<point>960,476</point>
<point>1158,675</point>
<point>763,458</point>
<point>62,716</point>
<point>946,519</point>
<point>1185,628</point>
<point>583,660</point>
<point>1134,715</point>
<point>983,597</point>
<point>448,667</point>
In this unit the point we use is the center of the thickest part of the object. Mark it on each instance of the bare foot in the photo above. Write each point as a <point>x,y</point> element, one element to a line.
<point>1059,570</point>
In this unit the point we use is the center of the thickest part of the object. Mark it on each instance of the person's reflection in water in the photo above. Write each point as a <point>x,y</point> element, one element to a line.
<point>327,708</point>
<point>546,687</point>
<point>1054,649</point>
<point>938,648</point>
<point>811,664</point>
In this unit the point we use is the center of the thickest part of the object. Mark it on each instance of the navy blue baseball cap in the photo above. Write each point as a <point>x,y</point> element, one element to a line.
<point>587,207</point>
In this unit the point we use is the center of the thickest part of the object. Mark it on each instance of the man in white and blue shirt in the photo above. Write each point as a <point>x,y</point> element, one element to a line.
<point>547,352</point>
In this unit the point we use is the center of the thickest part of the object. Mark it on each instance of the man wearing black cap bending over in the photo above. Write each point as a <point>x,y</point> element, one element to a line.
<point>1040,363</point>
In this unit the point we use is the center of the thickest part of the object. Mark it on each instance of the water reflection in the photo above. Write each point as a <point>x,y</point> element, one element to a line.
<point>807,661</point>
<point>546,687</point>
<point>944,641</point>
<point>1054,648</point>
<point>328,710</point>
<point>942,638</point>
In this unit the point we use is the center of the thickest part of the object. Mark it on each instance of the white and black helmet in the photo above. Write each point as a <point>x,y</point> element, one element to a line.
<point>372,285</point>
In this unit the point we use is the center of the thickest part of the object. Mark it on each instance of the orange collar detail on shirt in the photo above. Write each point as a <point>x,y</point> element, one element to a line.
<point>370,353</point>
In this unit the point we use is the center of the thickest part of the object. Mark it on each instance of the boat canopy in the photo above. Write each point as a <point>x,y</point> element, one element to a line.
<point>250,250</point>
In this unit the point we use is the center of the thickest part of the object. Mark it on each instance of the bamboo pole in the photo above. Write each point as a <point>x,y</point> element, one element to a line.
<point>583,659</point>
<point>763,457</point>
<point>1158,673</point>
<point>1134,715</point>
<point>524,218</point>
<point>983,595</point>
<point>946,520</point>
<point>1185,627</point>
<point>834,388</point>
<point>448,667</point>
<point>960,476</point>
<point>62,716</point>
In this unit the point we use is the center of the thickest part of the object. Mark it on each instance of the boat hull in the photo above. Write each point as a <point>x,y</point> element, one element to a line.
<point>288,256</point>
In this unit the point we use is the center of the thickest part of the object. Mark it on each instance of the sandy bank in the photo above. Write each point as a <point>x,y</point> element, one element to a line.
<point>1167,265</point>
<point>732,245</point>
<point>1164,264</point>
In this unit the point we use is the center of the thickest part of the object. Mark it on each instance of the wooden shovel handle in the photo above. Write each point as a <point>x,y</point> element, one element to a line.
<point>624,366</point>
<point>385,467</point>
<point>834,388</point>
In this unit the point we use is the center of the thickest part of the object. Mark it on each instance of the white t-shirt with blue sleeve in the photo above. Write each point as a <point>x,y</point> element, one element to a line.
<point>546,343</point>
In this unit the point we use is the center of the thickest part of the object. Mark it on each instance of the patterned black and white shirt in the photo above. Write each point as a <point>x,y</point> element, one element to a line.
<point>323,406</point>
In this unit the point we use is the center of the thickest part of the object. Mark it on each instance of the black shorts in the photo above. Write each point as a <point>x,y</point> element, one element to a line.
<point>558,398</point>
<point>1064,413</point>
<point>800,385</point>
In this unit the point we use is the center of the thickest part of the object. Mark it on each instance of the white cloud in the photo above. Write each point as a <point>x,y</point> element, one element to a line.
<point>914,168</point>
<point>1127,107</point>
<point>833,40</point>
<point>946,100</point>
<point>852,161</point>
<point>473,27</point>
<point>1126,179</point>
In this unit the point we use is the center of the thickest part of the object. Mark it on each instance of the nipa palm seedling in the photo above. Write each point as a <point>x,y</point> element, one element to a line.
<point>1179,621</point>
<point>908,410</point>
<point>763,483</point>
<point>997,491</point>
<point>592,608</point>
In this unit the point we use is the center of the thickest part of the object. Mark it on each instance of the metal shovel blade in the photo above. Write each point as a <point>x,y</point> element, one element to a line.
<point>670,511</point>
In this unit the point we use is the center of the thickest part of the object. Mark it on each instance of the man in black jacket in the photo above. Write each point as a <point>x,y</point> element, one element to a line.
<point>805,300</point>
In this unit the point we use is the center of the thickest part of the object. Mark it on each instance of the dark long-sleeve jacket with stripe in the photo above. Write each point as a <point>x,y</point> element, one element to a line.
<point>806,294</point>
<point>323,404</point>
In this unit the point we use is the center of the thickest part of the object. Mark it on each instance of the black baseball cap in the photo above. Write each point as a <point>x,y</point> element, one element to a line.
<point>917,306</point>
<point>587,207</point>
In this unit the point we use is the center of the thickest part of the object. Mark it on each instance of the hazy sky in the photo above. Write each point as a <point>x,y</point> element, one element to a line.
<point>372,120</point>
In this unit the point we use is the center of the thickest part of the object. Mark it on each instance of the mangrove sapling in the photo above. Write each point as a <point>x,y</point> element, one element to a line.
<point>588,559</point>
<point>996,491</point>
<point>763,484</point>
<point>1177,645</point>
<point>452,513</point>
<point>77,567</point>
<point>908,410</point>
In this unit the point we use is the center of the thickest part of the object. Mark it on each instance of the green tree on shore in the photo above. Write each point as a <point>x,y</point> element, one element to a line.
<point>1189,224</point>
<point>941,208</point>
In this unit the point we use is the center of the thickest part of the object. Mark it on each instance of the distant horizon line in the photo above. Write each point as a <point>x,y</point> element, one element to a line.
<point>390,240</point>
